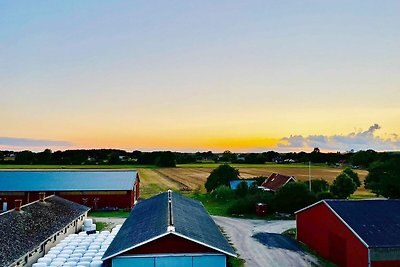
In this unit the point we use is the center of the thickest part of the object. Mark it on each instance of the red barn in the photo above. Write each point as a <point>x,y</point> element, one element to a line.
<point>353,232</point>
<point>95,189</point>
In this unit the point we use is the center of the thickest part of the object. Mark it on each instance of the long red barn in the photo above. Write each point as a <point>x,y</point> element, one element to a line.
<point>95,189</point>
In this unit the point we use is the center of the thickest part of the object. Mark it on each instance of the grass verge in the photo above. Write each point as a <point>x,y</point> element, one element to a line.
<point>103,214</point>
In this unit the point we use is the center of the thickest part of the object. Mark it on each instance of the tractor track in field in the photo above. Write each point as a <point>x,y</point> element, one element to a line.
<point>182,186</point>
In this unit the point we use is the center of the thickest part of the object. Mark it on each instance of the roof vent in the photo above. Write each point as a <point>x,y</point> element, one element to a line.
<point>171,227</point>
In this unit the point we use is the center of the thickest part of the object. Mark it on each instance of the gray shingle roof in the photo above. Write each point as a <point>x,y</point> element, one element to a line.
<point>21,232</point>
<point>376,221</point>
<point>149,220</point>
<point>66,180</point>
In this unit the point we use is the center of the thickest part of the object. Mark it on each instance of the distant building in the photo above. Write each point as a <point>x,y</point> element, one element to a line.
<point>234,183</point>
<point>169,230</point>
<point>353,233</point>
<point>95,189</point>
<point>276,181</point>
<point>29,231</point>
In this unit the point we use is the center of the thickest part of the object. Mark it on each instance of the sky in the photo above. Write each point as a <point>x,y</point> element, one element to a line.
<point>200,75</point>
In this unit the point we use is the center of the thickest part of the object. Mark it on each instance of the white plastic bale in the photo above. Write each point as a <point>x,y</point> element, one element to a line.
<point>68,251</point>
<point>47,261</point>
<point>89,259</point>
<point>39,264</point>
<point>63,256</point>
<point>56,264</point>
<point>76,255</point>
<point>87,222</point>
<point>96,264</point>
<point>59,259</point>
<point>69,264</point>
<point>84,264</point>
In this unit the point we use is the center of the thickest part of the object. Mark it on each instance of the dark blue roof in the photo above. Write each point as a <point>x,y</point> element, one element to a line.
<point>66,180</point>
<point>192,220</point>
<point>234,184</point>
<point>149,219</point>
<point>376,221</point>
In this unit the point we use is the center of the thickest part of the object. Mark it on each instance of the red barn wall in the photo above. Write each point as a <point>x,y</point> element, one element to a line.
<point>320,229</point>
<point>92,199</point>
<point>170,244</point>
<point>386,264</point>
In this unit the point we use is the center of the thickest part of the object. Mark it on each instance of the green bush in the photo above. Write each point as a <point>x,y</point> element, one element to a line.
<point>247,205</point>
<point>293,197</point>
<point>343,186</point>
<point>241,189</point>
<point>222,193</point>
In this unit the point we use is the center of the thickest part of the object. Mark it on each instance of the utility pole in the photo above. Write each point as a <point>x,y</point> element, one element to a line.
<point>309,175</point>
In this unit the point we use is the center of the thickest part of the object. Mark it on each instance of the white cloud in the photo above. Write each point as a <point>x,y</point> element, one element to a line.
<point>360,140</point>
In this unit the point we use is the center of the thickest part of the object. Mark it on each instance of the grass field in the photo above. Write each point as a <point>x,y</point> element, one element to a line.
<point>191,177</point>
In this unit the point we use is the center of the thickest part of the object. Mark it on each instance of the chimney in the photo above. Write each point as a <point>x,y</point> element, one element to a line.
<point>17,204</point>
<point>42,195</point>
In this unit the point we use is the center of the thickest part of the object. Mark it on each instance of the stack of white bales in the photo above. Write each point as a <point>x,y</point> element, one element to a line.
<point>79,250</point>
<point>88,225</point>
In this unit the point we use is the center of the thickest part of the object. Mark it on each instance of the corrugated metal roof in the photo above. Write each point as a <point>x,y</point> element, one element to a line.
<point>376,221</point>
<point>149,220</point>
<point>66,180</point>
<point>234,184</point>
<point>276,181</point>
<point>21,232</point>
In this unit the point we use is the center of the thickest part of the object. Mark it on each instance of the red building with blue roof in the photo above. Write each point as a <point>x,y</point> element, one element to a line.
<point>95,189</point>
<point>353,233</point>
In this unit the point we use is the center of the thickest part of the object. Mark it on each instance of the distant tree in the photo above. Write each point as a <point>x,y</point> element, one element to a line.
<point>228,156</point>
<point>136,154</point>
<point>343,186</point>
<point>24,157</point>
<point>114,158</point>
<point>384,178</point>
<point>293,197</point>
<point>260,179</point>
<point>253,188</point>
<point>1,156</point>
<point>242,189</point>
<point>318,185</point>
<point>166,159</point>
<point>222,175</point>
<point>44,157</point>
<point>353,175</point>
<point>363,158</point>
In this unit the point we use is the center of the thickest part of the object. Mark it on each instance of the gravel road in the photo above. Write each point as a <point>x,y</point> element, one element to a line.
<point>260,244</point>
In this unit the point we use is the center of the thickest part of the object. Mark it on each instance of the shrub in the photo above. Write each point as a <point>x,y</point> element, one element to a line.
<point>353,175</point>
<point>293,197</point>
<point>247,205</point>
<point>222,193</point>
<point>242,189</point>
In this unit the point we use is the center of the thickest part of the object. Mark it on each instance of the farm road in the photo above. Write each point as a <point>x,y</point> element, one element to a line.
<point>260,244</point>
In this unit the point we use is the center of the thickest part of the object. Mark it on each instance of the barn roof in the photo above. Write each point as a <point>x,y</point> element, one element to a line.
<point>66,180</point>
<point>376,222</point>
<point>22,232</point>
<point>276,181</point>
<point>153,218</point>
<point>234,184</point>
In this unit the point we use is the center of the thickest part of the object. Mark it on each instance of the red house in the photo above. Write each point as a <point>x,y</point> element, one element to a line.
<point>276,181</point>
<point>353,233</point>
<point>95,189</point>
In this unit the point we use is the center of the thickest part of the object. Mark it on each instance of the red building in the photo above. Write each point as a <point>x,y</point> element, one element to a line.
<point>95,189</point>
<point>276,181</point>
<point>169,230</point>
<point>353,232</point>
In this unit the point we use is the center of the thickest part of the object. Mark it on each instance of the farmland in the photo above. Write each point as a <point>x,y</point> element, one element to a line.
<point>191,177</point>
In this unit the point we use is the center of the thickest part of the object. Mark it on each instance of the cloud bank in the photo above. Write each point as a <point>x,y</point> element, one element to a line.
<point>28,143</point>
<point>360,140</point>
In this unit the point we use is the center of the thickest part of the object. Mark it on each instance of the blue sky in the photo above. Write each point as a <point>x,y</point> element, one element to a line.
<point>189,75</point>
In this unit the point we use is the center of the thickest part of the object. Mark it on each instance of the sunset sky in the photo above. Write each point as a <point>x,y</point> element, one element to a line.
<point>200,75</point>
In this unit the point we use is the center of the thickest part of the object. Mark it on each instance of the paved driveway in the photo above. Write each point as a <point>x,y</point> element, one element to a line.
<point>260,244</point>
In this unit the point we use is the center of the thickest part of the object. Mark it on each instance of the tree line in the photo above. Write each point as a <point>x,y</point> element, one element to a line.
<point>360,159</point>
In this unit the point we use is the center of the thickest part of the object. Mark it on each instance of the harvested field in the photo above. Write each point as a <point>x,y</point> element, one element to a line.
<point>193,178</point>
